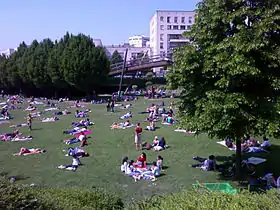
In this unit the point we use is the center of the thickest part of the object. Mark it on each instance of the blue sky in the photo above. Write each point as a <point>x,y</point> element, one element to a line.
<point>113,21</point>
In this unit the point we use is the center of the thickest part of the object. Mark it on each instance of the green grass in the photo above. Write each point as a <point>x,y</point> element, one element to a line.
<point>106,148</point>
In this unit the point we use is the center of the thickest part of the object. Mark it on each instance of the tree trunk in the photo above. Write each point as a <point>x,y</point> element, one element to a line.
<point>238,159</point>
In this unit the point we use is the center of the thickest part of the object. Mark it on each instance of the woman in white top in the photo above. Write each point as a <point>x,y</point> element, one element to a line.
<point>124,164</point>
<point>130,168</point>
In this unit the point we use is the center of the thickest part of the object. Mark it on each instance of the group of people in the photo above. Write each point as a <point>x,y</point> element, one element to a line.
<point>140,169</point>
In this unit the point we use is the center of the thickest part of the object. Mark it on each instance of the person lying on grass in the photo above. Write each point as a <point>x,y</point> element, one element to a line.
<point>49,119</point>
<point>75,130</point>
<point>73,167</point>
<point>77,152</point>
<point>81,138</point>
<point>10,136</point>
<point>82,123</point>
<point>25,151</point>
<point>126,116</point>
<point>120,125</point>
<point>80,114</point>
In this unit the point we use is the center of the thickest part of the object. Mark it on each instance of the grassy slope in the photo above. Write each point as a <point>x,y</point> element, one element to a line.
<point>106,147</point>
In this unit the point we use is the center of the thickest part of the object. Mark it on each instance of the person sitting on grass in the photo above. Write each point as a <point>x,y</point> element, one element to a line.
<point>73,167</point>
<point>161,145</point>
<point>159,162</point>
<point>150,174</point>
<point>266,144</point>
<point>25,151</point>
<point>205,164</point>
<point>124,164</point>
<point>141,161</point>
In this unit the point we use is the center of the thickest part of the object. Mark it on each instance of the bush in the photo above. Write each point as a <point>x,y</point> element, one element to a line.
<point>14,196</point>
<point>148,84</point>
<point>215,200</point>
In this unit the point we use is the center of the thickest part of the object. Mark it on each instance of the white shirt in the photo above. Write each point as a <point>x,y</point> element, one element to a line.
<point>266,144</point>
<point>81,137</point>
<point>75,162</point>
<point>129,169</point>
<point>156,171</point>
<point>123,167</point>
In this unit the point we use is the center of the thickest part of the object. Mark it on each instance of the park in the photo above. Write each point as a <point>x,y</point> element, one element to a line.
<point>221,90</point>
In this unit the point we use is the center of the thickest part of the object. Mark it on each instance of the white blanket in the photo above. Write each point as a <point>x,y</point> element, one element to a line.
<point>223,143</point>
<point>128,126</point>
<point>48,120</point>
<point>36,102</point>
<point>22,139</point>
<point>180,130</point>
<point>51,109</point>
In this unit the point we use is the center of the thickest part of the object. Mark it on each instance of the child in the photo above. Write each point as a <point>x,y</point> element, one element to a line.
<point>159,162</point>
<point>124,164</point>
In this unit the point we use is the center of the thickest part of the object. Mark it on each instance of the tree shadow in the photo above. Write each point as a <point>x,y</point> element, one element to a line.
<point>270,166</point>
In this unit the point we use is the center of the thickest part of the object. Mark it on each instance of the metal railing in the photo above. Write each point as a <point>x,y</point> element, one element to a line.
<point>141,61</point>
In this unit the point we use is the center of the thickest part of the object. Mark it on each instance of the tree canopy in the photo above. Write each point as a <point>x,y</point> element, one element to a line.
<point>73,62</point>
<point>116,57</point>
<point>229,72</point>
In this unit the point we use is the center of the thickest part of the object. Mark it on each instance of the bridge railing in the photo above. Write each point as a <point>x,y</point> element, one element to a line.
<point>141,61</point>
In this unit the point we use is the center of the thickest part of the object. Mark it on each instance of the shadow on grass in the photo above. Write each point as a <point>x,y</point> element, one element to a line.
<point>270,166</point>
<point>36,129</point>
<point>19,177</point>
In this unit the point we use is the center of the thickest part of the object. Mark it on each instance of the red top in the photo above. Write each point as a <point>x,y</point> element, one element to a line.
<point>142,160</point>
<point>138,130</point>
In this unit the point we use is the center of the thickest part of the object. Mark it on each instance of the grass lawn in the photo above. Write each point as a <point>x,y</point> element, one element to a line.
<point>106,148</point>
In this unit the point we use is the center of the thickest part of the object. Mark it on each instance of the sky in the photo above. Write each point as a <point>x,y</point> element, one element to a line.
<point>112,21</point>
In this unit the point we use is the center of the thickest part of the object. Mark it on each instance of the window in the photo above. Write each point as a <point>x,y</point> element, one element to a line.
<point>175,19</point>
<point>190,21</point>
<point>183,20</point>
<point>162,53</point>
<point>182,27</point>
<point>161,18</point>
<point>161,27</point>
<point>175,27</point>
<point>161,37</point>
<point>168,27</point>
<point>168,19</point>
<point>161,45</point>
<point>188,27</point>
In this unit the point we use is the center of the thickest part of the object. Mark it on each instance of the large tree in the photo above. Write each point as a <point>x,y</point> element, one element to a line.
<point>116,57</point>
<point>229,72</point>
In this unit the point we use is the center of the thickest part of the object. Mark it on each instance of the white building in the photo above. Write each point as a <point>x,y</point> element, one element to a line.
<point>133,52</point>
<point>7,52</point>
<point>166,28</point>
<point>138,41</point>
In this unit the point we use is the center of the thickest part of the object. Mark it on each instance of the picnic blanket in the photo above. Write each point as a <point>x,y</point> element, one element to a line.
<point>30,109</point>
<point>51,109</point>
<point>49,120</point>
<point>4,122</point>
<point>87,132</point>
<point>166,123</point>
<point>125,127</point>
<point>223,143</point>
<point>22,139</point>
<point>255,160</point>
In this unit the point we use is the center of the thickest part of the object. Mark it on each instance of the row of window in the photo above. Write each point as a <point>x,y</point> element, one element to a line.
<point>175,20</point>
<point>175,27</point>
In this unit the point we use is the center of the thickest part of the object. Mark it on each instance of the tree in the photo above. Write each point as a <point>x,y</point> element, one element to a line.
<point>116,57</point>
<point>229,72</point>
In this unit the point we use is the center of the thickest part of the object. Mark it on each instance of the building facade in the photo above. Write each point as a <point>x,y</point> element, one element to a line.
<point>166,28</point>
<point>139,41</point>
<point>7,52</point>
